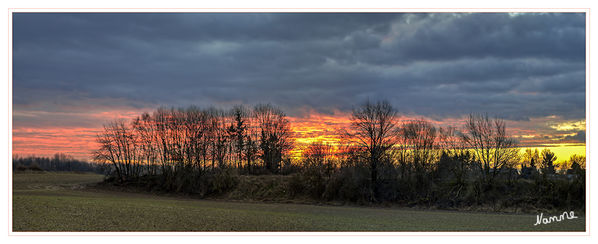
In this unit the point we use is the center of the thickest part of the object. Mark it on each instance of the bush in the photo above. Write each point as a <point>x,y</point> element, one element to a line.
<point>219,181</point>
<point>263,188</point>
<point>296,185</point>
<point>33,167</point>
<point>432,188</point>
<point>350,184</point>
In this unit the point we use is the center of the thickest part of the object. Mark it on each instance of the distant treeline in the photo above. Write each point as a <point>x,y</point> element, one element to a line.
<point>59,162</point>
<point>381,159</point>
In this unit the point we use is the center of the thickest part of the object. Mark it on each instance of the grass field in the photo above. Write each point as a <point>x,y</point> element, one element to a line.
<point>62,202</point>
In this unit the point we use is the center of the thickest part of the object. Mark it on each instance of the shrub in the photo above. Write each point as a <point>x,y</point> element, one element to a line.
<point>296,185</point>
<point>349,184</point>
<point>218,181</point>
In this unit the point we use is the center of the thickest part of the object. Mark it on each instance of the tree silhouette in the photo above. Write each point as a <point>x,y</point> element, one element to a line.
<point>494,150</point>
<point>119,145</point>
<point>238,130</point>
<point>275,135</point>
<point>374,129</point>
<point>420,137</point>
<point>320,156</point>
<point>531,158</point>
<point>548,159</point>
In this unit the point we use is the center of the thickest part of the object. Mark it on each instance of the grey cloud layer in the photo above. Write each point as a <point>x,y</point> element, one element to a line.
<point>442,65</point>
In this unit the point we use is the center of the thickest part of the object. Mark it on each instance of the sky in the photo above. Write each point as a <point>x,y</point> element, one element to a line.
<point>73,72</point>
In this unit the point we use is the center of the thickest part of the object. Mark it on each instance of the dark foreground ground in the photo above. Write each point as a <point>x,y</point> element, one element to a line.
<point>63,202</point>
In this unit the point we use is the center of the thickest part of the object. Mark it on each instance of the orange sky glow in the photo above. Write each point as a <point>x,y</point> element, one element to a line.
<point>312,127</point>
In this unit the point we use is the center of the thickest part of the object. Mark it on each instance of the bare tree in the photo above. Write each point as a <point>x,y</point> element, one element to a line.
<point>196,132</point>
<point>449,141</point>
<point>531,158</point>
<point>318,151</point>
<point>119,145</point>
<point>319,155</point>
<point>275,135</point>
<point>374,129</point>
<point>238,131</point>
<point>221,139</point>
<point>494,150</point>
<point>454,158</point>
<point>420,137</point>
<point>251,144</point>
<point>145,129</point>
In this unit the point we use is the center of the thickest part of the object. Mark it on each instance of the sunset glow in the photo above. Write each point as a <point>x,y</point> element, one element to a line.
<point>80,142</point>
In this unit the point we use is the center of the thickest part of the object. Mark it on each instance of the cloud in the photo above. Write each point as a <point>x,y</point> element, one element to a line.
<point>580,136</point>
<point>451,36</point>
<point>569,126</point>
<point>441,64</point>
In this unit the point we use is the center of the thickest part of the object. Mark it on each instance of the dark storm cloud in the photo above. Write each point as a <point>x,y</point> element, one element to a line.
<point>445,36</point>
<point>580,136</point>
<point>514,66</point>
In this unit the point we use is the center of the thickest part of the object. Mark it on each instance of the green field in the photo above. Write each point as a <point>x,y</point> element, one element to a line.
<point>62,202</point>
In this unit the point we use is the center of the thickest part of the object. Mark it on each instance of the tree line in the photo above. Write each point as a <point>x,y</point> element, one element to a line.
<point>59,162</point>
<point>193,141</point>
<point>380,159</point>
